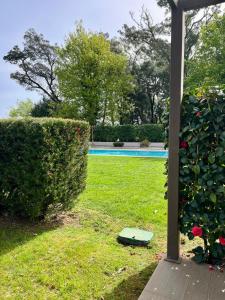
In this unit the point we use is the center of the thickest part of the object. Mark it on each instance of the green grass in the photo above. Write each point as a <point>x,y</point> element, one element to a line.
<point>78,257</point>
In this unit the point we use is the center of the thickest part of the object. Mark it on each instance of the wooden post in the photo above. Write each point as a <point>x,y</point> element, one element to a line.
<point>176,92</point>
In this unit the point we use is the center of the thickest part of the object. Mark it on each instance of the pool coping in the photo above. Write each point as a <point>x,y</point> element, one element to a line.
<point>124,155</point>
<point>137,156</point>
<point>127,149</point>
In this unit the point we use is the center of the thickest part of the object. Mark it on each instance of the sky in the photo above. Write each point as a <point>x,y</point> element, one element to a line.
<point>55,19</point>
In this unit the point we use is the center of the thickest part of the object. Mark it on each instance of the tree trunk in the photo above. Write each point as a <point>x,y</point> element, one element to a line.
<point>104,112</point>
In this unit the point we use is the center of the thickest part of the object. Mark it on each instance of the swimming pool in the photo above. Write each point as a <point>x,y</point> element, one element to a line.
<point>133,153</point>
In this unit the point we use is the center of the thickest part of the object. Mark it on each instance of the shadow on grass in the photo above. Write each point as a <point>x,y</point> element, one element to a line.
<point>132,287</point>
<point>14,233</point>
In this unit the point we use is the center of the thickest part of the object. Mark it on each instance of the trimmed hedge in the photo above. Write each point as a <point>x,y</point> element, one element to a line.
<point>129,133</point>
<point>43,163</point>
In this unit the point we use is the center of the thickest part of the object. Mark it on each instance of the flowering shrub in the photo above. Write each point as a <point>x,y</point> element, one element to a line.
<point>202,175</point>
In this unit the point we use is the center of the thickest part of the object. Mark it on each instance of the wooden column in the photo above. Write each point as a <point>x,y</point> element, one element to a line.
<point>176,92</point>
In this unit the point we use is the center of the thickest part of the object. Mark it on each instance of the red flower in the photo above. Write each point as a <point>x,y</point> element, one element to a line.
<point>222,240</point>
<point>198,114</point>
<point>183,144</point>
<point>197,231</point>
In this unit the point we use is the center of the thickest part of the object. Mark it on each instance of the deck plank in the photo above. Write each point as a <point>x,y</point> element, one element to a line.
<point>198,285</point>
<point>217,286</point>
<point>185,281</point>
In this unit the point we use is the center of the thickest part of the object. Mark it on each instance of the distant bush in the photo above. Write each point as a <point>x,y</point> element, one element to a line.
<point>118,144</point>
<point>129,133</point>
<point>43,163</point>
<point>145,143</point>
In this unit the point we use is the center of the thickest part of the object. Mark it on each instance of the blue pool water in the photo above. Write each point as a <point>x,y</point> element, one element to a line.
<point>134,153</point>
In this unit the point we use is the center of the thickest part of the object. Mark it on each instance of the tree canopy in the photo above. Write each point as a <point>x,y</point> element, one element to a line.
<point>123,80</point>
<point>22,109</point>
<point>207,67</point>
<point>94,80</point>
<point>36,64</point>
<point>149,52</point>
<point>148,47</point>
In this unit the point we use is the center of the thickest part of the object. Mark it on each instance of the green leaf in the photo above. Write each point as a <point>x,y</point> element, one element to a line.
<point>190,236</point>
<point>210,183</point>
<point>194,140</point>
<point>196,169</point>
<point>219,151</point>
<point>194,204</point>
<point>199,258</point>
<point>213,197</point>
<point>221,189</point>
<point>186,128</point>
<point>184,160</point>
<point>211,158</point>
<point>198,250</point>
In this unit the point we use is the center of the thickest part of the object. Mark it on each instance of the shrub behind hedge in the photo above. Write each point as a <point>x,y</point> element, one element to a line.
<point>129,133</point>
<point>42,162</point>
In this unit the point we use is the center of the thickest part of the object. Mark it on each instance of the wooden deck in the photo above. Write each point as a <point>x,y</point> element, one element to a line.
<point>185,281</point>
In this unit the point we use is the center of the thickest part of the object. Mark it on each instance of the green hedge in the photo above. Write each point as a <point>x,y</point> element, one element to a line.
<point>129,133</point>
<point>43,163</point>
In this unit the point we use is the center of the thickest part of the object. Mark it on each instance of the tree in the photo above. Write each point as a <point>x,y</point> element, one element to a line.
<point>43,108</point>
<point>148,47</point>
<point>151,80</point>
<point>207,67</point>
<point>36,64</point>
<point>22,109</point>
<point>94,80</point>
<point>194,20</point>
<point>149,52</point>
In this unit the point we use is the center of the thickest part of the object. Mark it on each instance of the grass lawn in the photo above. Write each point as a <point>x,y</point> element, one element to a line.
<point>76,256</point>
